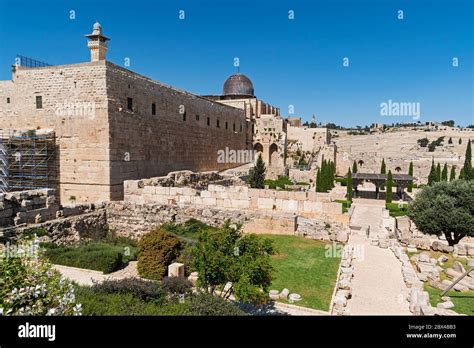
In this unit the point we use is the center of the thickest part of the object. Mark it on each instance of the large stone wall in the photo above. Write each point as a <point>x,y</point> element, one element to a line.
<point>167,141</point>
<point>74,105</point>
<point>101,142</point>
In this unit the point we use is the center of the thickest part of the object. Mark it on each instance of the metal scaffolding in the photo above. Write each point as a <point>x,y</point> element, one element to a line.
<point>28,160</point>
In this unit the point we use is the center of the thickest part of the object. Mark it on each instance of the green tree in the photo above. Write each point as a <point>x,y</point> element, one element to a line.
<point>349,185</point>
<point>354,167</point>
<point>383,170</point>
<point>445,208</point>
<point>452,175</point>
<point>468,171</point>
<point>432,175</point>
<point>444,173</point>
<point>242,261</point>
<point>257,174</point>
<point>389,194</point>
<point>461,173</point>
<point>410,172</point>
<point>438,172</point>
<point>318,180</point>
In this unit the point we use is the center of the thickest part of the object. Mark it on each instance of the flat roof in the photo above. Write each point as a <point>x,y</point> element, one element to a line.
<point>374,176</point>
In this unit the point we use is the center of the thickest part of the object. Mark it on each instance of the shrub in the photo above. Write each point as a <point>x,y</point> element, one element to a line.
<point>207,304</point>
<point>176,285</point>
<point>146,290</point>
<point>96,256</point>
<point>103,303</point>
<point>157,250</point>
<point>29,285</point>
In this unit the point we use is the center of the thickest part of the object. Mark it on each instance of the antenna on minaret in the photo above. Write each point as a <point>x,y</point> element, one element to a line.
<point>238,69</point>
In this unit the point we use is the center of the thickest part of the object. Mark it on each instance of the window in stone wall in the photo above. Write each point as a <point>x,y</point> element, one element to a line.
<point>184,116</point>
<point>197,117</point>
<point>8,100</point>
<point>39,102</point>
<point>240,128</point>
<point>208,121</point>
<point>226,125</point>
<point>233,127</point>
<point>218,124</point>
<point>130,104</point>
<point>153,109</point>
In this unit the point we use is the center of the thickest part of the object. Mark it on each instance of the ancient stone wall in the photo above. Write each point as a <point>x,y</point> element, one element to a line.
<point>73,103</point>
<point>309,204</point>
<point>186,131</point>
<point>134,220</point>
<point>108,131</point>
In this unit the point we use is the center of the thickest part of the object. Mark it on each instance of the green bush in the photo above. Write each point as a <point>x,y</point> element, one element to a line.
<point>281,182</point>
<point>207,304</point>
<point>187,231</point>
<point>145,290</point>
<point>176,286</point>
<point>103,303</point>
<point>157,250</point>
<point>30,286</point>
<point>95,256</point>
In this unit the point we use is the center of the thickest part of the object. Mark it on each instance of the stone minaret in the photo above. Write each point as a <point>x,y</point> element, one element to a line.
<point>97,43</point>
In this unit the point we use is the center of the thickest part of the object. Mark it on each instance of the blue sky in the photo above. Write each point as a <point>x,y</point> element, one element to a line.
<point>291,62</point>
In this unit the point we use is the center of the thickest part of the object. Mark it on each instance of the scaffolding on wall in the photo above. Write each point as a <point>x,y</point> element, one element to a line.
<point>28,160</point>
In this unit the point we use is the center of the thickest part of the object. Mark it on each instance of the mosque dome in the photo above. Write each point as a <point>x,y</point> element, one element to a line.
<point>238,84</point>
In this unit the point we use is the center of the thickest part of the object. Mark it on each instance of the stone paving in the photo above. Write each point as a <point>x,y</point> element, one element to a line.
<point>87,277</point>
<point>377,287</point>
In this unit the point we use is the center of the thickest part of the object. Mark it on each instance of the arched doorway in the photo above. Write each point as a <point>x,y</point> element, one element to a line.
<point>273,154</point>
<point>258,150</point>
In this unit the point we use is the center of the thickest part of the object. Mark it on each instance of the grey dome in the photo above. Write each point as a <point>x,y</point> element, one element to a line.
<point>238,84</point>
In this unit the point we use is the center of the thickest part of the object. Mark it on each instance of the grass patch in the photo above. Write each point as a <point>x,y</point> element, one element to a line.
<point>302,266</point>
<point>345,204</point>
<point>188,231</point>
<point>98,256</point>
<point>396,210</point>
<point>343,181</point>
<point>463,301</point>
<point>280,182</point>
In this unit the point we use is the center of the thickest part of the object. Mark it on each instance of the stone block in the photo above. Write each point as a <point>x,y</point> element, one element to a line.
<point>176,270</point>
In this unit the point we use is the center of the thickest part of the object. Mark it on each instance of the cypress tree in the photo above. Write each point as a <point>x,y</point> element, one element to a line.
<point>468,171</point>
<point>438,172</point>
<point>388,194</point>
<point>383,170</point>
<point>323,177</point>
<point>318,180</point>
<point>410,172</point>
<point>461,173</point>
<point>444,173</point>
<point>354,167</point>
<point>432,175</point>
<point>349,185</point>
<point>257,174</point>
<point>452,176</point>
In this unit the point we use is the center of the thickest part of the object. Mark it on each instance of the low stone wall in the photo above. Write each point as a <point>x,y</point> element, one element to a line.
<point>134,220</point>
<point>308,204</point>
